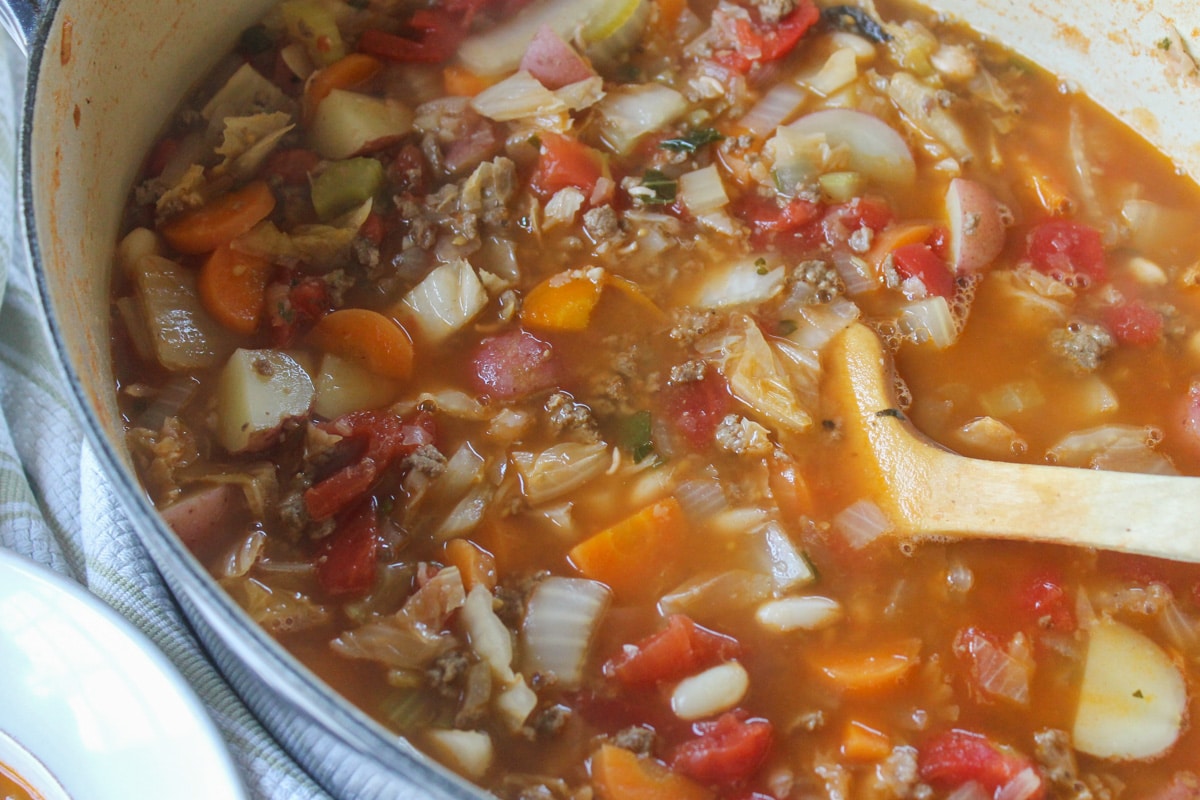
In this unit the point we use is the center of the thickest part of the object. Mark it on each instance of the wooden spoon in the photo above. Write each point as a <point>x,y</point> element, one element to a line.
<point>928,491</point>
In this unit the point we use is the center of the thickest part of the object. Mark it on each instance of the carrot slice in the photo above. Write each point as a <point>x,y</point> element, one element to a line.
<point>566,301</point>
<point>669,12</point>
<point>864,744</point>
<point>219,221</point>
<point>232,287</point>
<point>459,81</point>
<point>631,556</point>
<point>618,774</point>
<point>873,669</point>
<point>897,236</point>
<point>477,566</point>
<point>348,71</point>
<point>367,338</point>
<point>788,487</point>
<point>562,302</point>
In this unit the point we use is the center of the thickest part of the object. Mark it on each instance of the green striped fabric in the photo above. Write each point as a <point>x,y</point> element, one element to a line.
<point>49,477</point>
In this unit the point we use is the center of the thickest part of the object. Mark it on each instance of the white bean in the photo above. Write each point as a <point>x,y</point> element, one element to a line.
<point>711,692</point>
<point>799,613</point>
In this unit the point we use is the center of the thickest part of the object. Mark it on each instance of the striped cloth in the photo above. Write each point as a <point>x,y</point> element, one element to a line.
<point>49,475</point>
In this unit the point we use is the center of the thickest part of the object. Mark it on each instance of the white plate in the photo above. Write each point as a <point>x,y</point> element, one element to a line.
<point>95,702</point>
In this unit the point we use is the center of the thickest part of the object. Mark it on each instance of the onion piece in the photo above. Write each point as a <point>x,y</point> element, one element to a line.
<point>789,567</point>
<point>445,301</point>
<point>838,71</point>
<point>702,192</point>
<point>560,469</point>
<point>185,337</point>
<point>861,523</point>
<point>1124,448</point>
<point>632,111</point>
<point>929,320</point>
<point>876,149</point>
<point>1000,673</point>
<point>773,109</point>
<point>704,596</point>
<point>752,280</point>
<point>560,619</point>
<point>490,640</point>
<point>919,103</point>
<point>519,96</point>
<point>469,753</point>
<point>1024,785</point>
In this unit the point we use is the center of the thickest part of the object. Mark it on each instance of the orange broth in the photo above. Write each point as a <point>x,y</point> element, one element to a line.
<point>680,400</point>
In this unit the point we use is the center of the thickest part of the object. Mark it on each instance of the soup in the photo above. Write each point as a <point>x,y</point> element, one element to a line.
<point>14,787</point>
<point>477,349</point>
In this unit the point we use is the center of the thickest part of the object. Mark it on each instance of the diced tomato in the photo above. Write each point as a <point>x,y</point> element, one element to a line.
<point>681,649</point>
<point>1134,323</point>
<point>294,305</point>
<point>383,438</point>
<point>291,166</point>
<point>565,161</point>
<point>843,219</point>
<point>514,364</point>
<point>696,408</point>
<point>758,43</point>
<point>438,32</point>
<point>1042,596</point>
<point>726,750</point>
<point>918,261</point>
<point>1067,250</point>
<point>765,215</point>
<point>953,758</point>
<point>346,562</point>
<point>373,228</point>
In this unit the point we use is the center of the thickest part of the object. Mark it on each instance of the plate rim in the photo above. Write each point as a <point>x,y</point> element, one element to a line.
<point>18,573</point>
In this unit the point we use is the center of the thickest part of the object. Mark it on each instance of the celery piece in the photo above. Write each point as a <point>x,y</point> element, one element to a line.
<point>344,185</point>
<point>842,187</point>
<point>312,23</point>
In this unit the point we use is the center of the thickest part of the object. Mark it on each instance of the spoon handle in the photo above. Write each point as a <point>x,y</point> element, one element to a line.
<point>1155,515</point>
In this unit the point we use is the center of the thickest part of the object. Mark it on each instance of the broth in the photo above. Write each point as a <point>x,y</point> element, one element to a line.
<point>523,448</point>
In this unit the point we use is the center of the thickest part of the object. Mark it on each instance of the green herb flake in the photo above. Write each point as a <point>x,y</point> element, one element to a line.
<point>535,142</point>
<point>634,434</point>
<point>1164,43</point>
<point>692,141</point>
<point>894,413</point>
<point>1138,694</point>
<point>787,327</point>
<point>663,187</point>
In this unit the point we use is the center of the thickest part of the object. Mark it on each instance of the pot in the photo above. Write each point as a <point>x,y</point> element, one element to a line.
<point>102,80</point>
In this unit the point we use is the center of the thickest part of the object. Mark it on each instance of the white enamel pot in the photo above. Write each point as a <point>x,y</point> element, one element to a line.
<point>104,76</point>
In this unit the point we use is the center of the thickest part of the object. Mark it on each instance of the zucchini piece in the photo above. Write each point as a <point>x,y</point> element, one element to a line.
<point>344,185</point>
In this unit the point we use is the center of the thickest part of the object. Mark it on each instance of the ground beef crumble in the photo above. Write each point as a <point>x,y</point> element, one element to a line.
<point>1082,345</point>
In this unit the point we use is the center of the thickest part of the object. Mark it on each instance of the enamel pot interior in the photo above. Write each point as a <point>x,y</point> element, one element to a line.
<point>104,79</point>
